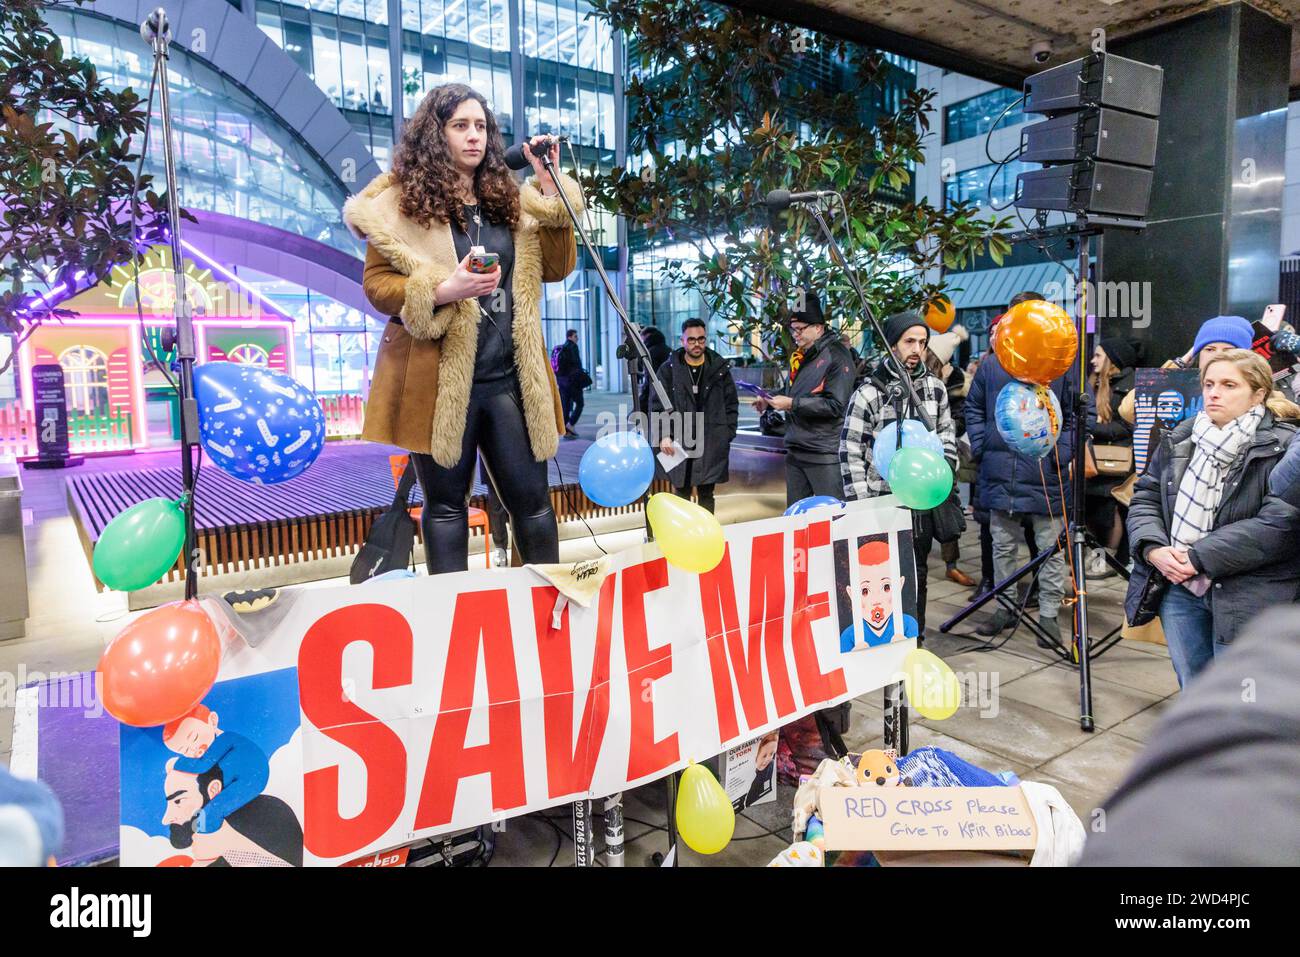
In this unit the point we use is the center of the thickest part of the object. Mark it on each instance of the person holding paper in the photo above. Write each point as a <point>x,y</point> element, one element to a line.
<point>814,404</point>
<point>1212,546</point>
<point>696,438</point>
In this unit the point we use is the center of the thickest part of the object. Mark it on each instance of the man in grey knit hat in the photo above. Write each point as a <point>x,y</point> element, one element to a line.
<point>882,399</point>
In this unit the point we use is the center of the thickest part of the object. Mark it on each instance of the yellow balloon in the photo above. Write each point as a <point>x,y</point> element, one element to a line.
<point>705,817</point>
<point>932,689</point>
<point>689,535</point>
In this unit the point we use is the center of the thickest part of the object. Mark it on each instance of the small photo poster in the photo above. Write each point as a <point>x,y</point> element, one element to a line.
<point>1165,397</point>
<point>749,772</point>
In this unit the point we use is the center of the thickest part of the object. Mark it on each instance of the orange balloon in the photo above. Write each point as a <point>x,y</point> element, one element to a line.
<point>1035,341</point>
<point>161,665</point>
<point>939,314</point>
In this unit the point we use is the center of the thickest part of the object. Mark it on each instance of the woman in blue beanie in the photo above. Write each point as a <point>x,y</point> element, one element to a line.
<point>1215,335</point>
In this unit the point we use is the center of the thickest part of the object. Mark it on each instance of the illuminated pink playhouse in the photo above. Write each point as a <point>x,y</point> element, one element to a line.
<point>117,393</point>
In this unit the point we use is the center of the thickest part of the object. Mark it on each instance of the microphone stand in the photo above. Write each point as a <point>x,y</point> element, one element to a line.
<point>634,352</point>
<point>876,327</point>
<point>633,349</point>
<point>156,31</point>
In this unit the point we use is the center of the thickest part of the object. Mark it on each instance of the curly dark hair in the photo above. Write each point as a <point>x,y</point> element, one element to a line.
<point>423,166</point>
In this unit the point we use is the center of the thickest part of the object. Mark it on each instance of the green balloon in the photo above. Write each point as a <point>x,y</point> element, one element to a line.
<point>140,545</point>
<point>921,478</point>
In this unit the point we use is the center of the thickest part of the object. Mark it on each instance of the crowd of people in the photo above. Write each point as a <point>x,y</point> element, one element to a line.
<point>1208,529</point>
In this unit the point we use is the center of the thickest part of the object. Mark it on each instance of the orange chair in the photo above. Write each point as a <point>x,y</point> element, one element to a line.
<point>477,517</point>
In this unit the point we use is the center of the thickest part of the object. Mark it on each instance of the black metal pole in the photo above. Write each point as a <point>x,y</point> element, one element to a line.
<point>901,369</point>
<point>630,329</point>
<point>635,353</point>
<point>157,32</point>
<point>1076,528</point>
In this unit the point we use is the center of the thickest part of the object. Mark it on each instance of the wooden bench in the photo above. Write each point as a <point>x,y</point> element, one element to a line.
<point>325,513</point>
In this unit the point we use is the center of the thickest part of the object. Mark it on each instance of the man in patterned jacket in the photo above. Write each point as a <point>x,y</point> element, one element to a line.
<point>882,399</point>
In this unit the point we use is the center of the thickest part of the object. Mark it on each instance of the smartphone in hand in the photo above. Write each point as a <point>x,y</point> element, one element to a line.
<point>482,262</point>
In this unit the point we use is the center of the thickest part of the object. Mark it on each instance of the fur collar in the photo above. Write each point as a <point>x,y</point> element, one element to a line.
<point>373,215</point>
<point>426,255</point>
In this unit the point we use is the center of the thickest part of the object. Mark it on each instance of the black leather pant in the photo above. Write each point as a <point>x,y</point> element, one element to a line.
<point>494,425</point>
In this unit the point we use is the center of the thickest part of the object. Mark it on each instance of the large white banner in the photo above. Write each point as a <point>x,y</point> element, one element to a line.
<point>362,718</point>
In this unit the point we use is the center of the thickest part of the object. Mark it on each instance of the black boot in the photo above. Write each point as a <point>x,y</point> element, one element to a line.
<point>1053,627</point>
<point>999,622</point>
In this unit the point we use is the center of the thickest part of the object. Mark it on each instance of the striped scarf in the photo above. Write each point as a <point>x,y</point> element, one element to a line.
<point>1201,488</point>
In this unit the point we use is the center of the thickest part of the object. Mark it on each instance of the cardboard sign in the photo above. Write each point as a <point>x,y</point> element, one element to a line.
<point>927,819</point>
<point>370,716</point>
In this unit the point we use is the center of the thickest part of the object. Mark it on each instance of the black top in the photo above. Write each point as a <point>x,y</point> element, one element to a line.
<point>570,360</point>
<point>697,375</point>
<point>821,391</point>
<point>495,358</point>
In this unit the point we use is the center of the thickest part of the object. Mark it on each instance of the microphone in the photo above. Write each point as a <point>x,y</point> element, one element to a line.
<point>780,199</point>
<point>156,25</point>
<point>516,159</point>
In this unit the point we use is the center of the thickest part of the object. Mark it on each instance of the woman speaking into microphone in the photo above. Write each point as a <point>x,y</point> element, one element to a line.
<point>456,254</point>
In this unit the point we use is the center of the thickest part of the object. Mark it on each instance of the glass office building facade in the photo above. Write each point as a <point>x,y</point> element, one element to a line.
<point>992,184</point>
<point>545,66</point>
<point>976,115</point>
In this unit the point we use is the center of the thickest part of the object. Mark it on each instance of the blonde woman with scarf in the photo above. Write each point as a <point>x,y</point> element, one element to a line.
<point>1213,547</point>
<point>462,369</point>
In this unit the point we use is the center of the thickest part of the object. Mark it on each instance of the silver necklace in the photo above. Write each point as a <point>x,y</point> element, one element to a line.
<point>478,221</point>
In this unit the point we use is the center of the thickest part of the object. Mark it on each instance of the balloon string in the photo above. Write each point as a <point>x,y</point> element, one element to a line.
<point>1069,546</point>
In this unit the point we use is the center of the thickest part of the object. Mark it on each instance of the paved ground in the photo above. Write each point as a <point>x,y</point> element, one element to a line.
<point>1025,718</point>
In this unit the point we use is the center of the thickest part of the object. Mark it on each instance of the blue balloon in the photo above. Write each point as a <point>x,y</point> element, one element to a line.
<point>811,502</point>
<point>1028,418</point>
<point>915,436</point>
<point>257,424</point>
<point>616,469</point>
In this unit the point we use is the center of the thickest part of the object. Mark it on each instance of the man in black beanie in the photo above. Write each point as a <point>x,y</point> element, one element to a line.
<point>814,404</point>
<point>882,399</point>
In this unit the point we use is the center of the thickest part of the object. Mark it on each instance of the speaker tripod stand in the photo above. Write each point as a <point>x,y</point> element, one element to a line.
<point>1074,538</point>
<point>1002,593</point>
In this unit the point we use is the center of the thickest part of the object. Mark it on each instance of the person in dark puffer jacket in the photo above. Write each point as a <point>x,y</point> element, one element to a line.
<point>814,406</point>
<point>1213,547</point>
<point>1011,487</point>
<point>656,343</point>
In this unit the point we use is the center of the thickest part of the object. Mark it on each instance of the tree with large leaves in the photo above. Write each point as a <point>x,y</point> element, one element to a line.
<point>68,183</point>
<point>726,105</point>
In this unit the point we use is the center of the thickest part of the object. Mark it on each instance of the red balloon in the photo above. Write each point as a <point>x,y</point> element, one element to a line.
<point>161,665</point>
<point>1035,341</point>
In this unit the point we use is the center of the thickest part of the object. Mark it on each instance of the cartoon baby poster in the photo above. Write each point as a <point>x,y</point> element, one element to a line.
<point>875,591</point>
<point>221,785</point>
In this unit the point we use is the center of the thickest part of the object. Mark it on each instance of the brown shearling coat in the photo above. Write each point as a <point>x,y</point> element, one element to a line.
<point>419,393</point>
